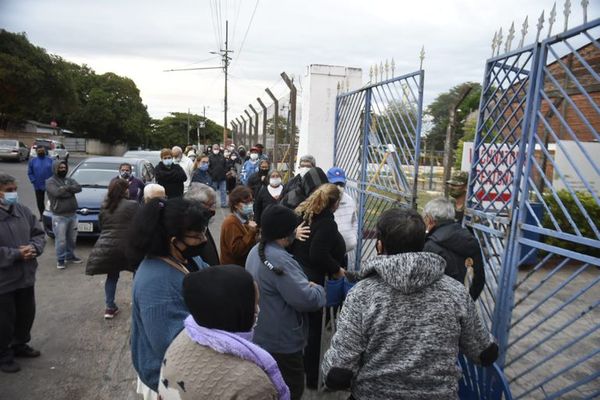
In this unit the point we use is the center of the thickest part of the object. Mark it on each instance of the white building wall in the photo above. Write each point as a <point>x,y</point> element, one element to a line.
<point>318,109</point>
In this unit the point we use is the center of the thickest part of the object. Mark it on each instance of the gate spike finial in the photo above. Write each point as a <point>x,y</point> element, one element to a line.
<point>347,84</point>
<point>540,26</point>
<point>422,56</point>
<point>551,19</point>
<point>375,71</point>
<point>393,67</point>
<point>499,43</point>
<point>510,37</point>
<point>338,88</point>
<point>371,74</point>
<point>524,31</point>
<point>584,5</point>
<point>381,70</point>
<point>495,38</point>
<point>387,69</point>
<point>566,12</point>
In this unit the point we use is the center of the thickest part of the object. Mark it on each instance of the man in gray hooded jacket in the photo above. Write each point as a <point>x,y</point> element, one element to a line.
<point>403,324</point>
<point>63,204</point>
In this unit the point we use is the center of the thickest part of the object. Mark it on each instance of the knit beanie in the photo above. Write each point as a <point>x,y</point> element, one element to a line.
<point>277,222</point>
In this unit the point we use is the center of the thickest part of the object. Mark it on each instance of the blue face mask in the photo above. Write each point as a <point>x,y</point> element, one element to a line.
<point>248,209</point>
<point>168,162</point>
<point>11,198</point>
<point>203,167</point>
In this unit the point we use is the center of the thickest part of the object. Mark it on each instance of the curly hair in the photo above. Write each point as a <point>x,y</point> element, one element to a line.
<point>324,197</point>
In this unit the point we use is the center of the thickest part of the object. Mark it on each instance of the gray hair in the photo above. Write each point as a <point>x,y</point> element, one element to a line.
<point>153,190</point>
<point>176,149</point>
<point>440,209</point>
<point>309,158</point>
<point>6,179</point>
<point>200,192</point>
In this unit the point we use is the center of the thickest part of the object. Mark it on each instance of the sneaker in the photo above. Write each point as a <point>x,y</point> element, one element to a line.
<point>61,265</point>
<point>110,313</point>
<point>10,367</point>
<point>25,351</point>
<point>75,260</point>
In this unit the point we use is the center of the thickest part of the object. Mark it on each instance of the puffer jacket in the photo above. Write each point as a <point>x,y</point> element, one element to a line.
<point>458,247</point>
<point>61,192</point>
<point>108,254</point>
<point>401,328</point>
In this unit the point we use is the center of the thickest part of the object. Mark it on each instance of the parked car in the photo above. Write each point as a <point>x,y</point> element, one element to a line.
<point>94,174</point>
<point>151,155</point>
<point>54,149</point>
<point>11,149</point>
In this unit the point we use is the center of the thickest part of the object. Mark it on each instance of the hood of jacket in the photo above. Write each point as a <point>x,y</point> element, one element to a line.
<point>452,236</point>
<point>407,272</point>
<point>56,164</point>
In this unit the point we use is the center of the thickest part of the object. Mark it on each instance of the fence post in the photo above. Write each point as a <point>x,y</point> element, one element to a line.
<point>275,124</point>
<point>292,138</point>
<point>418,141</point>
<point>249,137</point>
<point>362,197</point>
<point>264,122</point>
<point>255,123</point>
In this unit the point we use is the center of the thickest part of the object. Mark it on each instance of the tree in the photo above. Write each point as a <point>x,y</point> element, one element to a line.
<point>439,111</point>
<point>282,128</point>
<point>172,130</point>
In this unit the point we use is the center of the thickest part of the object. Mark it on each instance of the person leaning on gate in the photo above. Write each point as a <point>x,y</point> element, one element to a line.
<point>63,204</point>
<point>457,186</point>
<point>38,170</point>
<point>286,296</point>
<point>206,196</point>
<point>22,240</point>
<point>403,324</point>
<point>454,243</point>
<point>135,185</point>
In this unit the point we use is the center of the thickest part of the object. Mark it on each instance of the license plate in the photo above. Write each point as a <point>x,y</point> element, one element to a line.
<point>85,227</point>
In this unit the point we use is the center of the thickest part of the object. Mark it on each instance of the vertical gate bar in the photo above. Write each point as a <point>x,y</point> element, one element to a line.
<point>363,178</point>
<point>503,315</point>
<point>418,139</point>
<point>335,129</point>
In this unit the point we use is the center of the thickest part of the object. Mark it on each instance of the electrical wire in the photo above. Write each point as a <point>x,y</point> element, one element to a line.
<point>214,25</point>
<point>239,53</point>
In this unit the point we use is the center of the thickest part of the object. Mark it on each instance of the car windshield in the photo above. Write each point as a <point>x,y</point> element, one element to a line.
<point>97,174</point>
<point>8,143</point>
<point>152,156</point>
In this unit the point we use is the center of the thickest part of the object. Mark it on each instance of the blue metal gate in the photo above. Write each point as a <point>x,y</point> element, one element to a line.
<point>377,138</point>
<point>533,203</point>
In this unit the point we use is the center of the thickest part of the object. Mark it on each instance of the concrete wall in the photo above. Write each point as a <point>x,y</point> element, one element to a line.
<point>318,109</point>
<point>94,146</point>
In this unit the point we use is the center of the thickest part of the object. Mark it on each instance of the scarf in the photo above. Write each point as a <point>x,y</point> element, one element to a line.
<point>239,345</point>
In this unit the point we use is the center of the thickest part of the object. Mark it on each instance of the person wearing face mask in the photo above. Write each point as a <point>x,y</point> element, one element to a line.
<point>345,215</point>
<point>63,204</point>
<point>260,178</point>
<point>38,170</point>
<point>250,167</point>
<point>135,185</point>
<point>457,186</point>
<point>201,174</point>
<point>239,232</point>
<point>292,193</point>
<point>287,296</point>
<point>171,176</point>
<point>185,163</point>
<point>169,235</point>
<point>217,340</point>
<point>22,240</point>
<point>233,166</point>
<point>217,170</point>
<point>207,198</point>
<point>108,255</point>
<point>268,195</point>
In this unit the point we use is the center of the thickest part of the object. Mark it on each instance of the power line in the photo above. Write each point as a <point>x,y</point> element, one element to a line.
<point>247,30</point>
<point>214,25</point>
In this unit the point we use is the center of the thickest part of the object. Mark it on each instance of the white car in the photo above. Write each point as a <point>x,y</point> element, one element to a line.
<point>54,149</point>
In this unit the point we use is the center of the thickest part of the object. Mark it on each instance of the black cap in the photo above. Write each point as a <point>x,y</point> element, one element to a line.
<point>277,222</point>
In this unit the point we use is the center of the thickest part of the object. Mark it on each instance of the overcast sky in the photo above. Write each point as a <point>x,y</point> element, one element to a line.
<point>141,38</point>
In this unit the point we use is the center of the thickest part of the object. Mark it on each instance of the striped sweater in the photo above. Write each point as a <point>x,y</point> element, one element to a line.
<point>401,328</point>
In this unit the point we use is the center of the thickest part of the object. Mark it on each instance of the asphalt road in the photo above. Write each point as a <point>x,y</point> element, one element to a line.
<point>83,355</point>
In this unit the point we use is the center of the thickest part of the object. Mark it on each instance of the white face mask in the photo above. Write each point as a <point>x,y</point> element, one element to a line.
<point>275,182</point>
<point>253,156</point>
<point>216,152</point>
<point>226,154</point>
<point>302,171</point>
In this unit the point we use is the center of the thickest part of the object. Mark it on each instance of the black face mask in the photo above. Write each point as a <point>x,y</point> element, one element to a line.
<point>61,174</point>
<point>191,251</point>
<point>41,154</point>
<point>264,171</point>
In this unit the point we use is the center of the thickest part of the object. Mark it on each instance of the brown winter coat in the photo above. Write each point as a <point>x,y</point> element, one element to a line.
<point>236,241</point>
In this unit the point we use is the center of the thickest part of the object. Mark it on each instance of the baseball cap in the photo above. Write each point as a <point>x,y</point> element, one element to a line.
<point>335,175</point>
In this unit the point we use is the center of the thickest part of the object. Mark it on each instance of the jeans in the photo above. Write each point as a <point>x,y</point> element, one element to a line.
<point>292,370</point>
<point>39,199</point>
<point>17,312</point>
<point>65,236</point>
<point>221,186</point>
<point>110,288</point>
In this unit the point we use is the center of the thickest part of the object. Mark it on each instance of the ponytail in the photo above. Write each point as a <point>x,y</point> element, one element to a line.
<point>325,196</point>
<point>263,258</point>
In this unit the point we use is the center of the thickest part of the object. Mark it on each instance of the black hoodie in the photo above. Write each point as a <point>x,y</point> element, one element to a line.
<point>456,245</point>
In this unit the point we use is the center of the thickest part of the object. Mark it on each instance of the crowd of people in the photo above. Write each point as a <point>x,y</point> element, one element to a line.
<point>248,315</point>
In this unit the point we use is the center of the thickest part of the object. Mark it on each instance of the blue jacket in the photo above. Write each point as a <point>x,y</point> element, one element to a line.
<point>202,177</point>
<point>39,170</point>
<point>285,299</point>
<point>157,316</point>
<point>249,168</point>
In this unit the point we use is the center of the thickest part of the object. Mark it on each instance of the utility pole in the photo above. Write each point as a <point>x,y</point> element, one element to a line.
<point>226,67</point>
